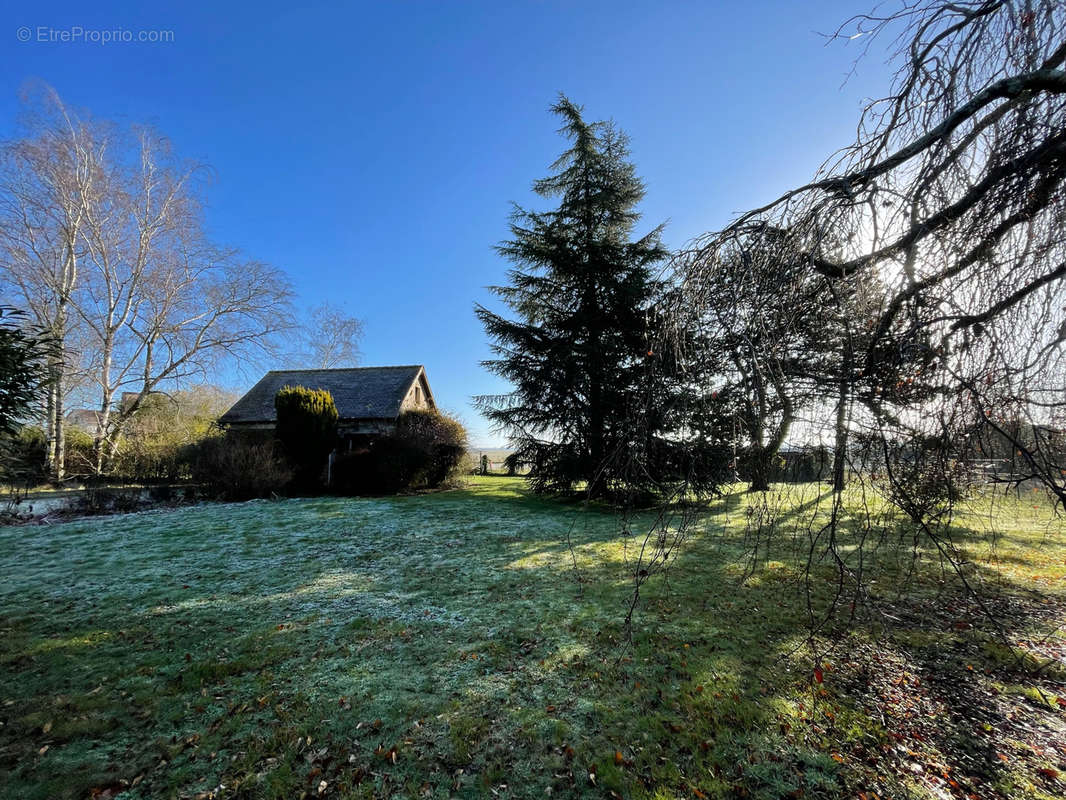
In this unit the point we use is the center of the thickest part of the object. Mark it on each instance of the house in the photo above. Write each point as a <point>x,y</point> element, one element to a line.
<point>89,419</point>
<point>368,399</point>
<point>84,419</point>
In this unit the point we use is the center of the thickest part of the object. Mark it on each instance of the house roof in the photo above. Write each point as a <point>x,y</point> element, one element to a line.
<point>359,393</point>
<point>87,418</point>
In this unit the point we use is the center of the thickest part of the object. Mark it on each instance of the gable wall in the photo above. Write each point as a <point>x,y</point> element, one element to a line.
<point>418,395</point>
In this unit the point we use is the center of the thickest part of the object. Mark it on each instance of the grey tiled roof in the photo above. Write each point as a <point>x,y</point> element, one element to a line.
<point>360,393</point>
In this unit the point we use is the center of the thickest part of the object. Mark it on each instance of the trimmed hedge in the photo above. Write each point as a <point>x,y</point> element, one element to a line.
<point>307,431</point>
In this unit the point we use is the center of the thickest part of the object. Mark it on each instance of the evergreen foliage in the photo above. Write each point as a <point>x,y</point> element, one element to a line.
<point>22,382</point>
<point>306,428</point>
<point>581,294</point>
<point>21,371</point>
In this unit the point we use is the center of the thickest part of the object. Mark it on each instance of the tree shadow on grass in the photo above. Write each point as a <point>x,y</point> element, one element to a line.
<point>419,643</point>
<point>314,672</point>
<point>1000,729</point>
<point>956,711</point>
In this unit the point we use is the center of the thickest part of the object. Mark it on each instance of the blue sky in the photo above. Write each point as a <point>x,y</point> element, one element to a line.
<point>372,150</point>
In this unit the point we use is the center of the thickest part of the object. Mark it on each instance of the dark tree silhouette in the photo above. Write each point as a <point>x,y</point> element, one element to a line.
<point>581,295</point>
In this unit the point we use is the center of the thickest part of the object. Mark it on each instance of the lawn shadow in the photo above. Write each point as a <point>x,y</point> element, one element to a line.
<point>443,641</point>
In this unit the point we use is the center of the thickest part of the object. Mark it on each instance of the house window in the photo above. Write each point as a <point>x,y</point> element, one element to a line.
<point>418,396</point>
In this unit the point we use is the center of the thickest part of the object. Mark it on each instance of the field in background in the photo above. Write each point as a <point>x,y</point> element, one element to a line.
<point>454,645</point>
<point>496,457</point>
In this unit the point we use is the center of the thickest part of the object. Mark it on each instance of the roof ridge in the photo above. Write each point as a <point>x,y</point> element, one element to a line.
<point>345,369</point>
<point>358,392</point>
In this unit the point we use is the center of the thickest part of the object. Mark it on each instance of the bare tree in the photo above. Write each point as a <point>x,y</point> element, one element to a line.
<point>933,252</point>
<point>331,338</point>
<point>48,180</point>
<point>121,255</point>
<point>760,317</point>
<point>162,303</point>
<point>326,337</point>
<point>952,197</point>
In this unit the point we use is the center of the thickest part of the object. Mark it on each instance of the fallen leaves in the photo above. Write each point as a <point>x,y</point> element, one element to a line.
<point>109,791</point>
<point>390,755</point>
<point>668,692</point>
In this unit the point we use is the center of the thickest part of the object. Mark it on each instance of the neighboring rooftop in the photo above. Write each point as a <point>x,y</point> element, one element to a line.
<point>87,419</point>
<point>359,392</point>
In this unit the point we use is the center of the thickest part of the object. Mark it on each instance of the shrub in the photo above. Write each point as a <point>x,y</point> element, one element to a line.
<point>80,455</point>
<point>307,431</point>
<point>155,441</point>
<point>239,466</point>
<point>440,440</point>
<point>144,460</point>
<point>105,500</point>
<point>22,458</point>
<point>426,449</point>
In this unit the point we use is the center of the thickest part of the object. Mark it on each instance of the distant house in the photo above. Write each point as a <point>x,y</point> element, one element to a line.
<point>89,419</point>
<point>368,399</point>
<point>84,419</point>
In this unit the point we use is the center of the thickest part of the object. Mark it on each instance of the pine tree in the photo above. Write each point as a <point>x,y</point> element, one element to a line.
<point>581,293</point>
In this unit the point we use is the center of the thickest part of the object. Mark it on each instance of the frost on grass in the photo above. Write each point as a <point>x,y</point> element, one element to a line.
<point>418,646</point>
<point>395,609</point>
<point>385,560</point>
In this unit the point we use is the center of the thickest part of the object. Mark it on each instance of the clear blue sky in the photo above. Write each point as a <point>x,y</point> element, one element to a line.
<point>372,150</point>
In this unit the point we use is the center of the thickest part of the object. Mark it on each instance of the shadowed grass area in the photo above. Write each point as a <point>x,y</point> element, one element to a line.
<point>455,645</point>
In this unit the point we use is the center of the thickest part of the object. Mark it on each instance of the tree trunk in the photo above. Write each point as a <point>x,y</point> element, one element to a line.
<point>102,440</point>
<point>596,449</point>
<point>764,452</point>
<point>59,459</point>
<point>840,446</point>
<point>760,470</point>
<point>51,428</point>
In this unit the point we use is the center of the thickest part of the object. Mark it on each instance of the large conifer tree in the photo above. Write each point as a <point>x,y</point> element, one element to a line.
<point>581,293</point>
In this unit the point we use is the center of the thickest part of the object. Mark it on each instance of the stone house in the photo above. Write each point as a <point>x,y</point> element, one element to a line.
<point>369,399</point>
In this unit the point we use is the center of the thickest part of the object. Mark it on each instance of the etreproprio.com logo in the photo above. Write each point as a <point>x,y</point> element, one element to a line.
<point>76,34</point>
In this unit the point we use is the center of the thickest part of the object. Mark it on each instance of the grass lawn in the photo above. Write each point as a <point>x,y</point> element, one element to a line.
<point>454,645</point>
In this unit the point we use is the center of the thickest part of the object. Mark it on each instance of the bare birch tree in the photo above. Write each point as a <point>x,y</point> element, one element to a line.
<point>104,233</point>
<point>162,303</point>
<point>48,180</point>
<point>331,338</point>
